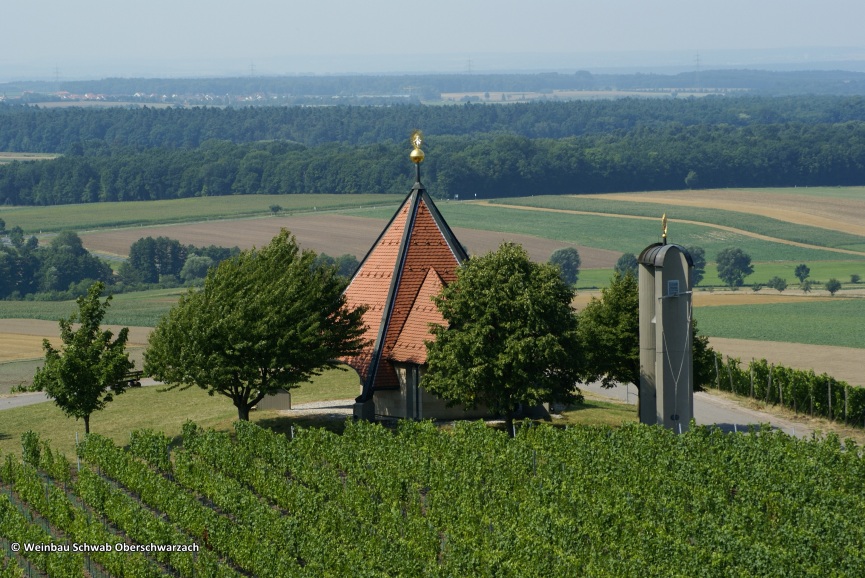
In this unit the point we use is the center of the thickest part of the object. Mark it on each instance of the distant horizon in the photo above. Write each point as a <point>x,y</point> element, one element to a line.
<point>610,62</point>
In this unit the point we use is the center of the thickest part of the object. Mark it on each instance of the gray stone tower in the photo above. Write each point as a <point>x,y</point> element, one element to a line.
<point>666,338</point>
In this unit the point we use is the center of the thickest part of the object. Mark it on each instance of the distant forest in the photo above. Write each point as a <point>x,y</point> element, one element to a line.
<point>473,149</point>
<point>310,89</point>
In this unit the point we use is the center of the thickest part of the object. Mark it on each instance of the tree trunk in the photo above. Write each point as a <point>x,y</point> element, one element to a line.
<point>87,424</point>
<point>509,421</point>
<point>243,411</point>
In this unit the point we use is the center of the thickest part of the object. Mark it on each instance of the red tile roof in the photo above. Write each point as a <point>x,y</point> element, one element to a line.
<point>415,256</point>
<point>410,346</point>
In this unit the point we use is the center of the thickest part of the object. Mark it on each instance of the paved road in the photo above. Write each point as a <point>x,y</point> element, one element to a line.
<point>24,399</point>
<point>708,409</point>
<point>714,410</point>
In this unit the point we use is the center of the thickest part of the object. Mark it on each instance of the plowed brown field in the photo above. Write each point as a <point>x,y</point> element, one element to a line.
<point>331,234</point>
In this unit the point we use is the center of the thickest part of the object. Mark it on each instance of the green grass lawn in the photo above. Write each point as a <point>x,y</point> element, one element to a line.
<point>836,322</point>
<point>149,407</point>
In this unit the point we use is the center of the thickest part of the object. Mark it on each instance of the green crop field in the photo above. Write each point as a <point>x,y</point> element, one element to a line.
<point>837,322</point>
<point>821,271</point>
<point>123,214</point>
<point>142,308</point>
<point>617,234</point>
<point>739,220</point>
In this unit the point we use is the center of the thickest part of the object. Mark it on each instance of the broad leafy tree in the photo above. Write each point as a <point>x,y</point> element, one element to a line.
<point>85,373</point>
<point>734,265</point>
<point>626,263</point>
<point>777,283</point>
<point>568,261</point>
<point>266,320</point>
<point>510,338</point>
<point>65,262</point>
<point>802,272</point>
<point>609,334</point>
<point>833,286</point>
<point>698,256</point>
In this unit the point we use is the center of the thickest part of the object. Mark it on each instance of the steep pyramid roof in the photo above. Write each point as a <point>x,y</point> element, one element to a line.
<point>413,258</point>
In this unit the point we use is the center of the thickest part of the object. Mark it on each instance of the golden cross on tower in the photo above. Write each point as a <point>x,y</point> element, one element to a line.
<point>664,226</point>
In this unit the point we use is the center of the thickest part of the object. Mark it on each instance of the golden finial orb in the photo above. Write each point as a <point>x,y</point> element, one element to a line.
<point>416,155</point>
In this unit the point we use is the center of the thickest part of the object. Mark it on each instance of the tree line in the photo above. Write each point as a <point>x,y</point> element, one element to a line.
<point>69,130</point>
<point>265,90</point>
<point>65,269</point>
<point>58,270</point>
<point>668,157</point>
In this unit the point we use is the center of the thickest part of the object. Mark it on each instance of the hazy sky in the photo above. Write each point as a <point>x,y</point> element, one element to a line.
<point>197,37</point>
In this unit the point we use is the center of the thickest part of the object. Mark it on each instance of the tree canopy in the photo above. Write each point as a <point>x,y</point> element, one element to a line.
<point>88,370</point>
<point>734,265</point>
<point>698,257</point>
<point>266,320</point>
<point>626,263</point>
<point>568,261</point>
<point>609,333</point>
<point>510,338</point>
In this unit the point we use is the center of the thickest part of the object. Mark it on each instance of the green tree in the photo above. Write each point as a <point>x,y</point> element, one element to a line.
<point>510,338</point>
<point>16,236</point>
<point>88,370</point>
<point>346,265</point>
<point>568,261</point>
<point>65,261</point>
<point>692,180</point>
<point>777,283</point>
<point>802,272</point>
<point>698,256</point>
<point>833,286</point>
<point>627,262</point>
<point>609,333</point>
<point>855,278</point>
<point>733,266</point>
<point>195,267</point>
<point>266,320</point>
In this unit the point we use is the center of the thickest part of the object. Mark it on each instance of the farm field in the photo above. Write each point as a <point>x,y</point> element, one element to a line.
<point>839,209</point>
<point>617,223</point>
<point>326,233</point>
<point>83,217</point>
